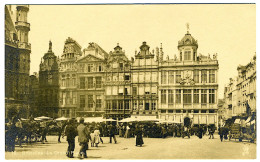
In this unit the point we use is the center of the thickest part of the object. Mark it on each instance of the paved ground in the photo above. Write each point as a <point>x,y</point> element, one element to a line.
<point>154,148</point>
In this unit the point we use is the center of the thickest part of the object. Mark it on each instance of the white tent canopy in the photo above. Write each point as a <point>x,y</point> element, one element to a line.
<point>140,118</point>
<point>62,119</point>
<point>43,118</point>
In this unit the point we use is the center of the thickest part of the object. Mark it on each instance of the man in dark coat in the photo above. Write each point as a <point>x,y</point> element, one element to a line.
<point>139,136</point>
<point>83,138</point>
<point>112,132</point>
<point>200,132</point>
<point>71,133</point>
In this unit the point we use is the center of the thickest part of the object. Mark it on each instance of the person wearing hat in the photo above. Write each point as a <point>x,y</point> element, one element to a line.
<point>71,133</point>
<point>83,138</point>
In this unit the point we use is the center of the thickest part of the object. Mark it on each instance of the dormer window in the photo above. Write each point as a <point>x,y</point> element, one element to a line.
<point>187,55</point>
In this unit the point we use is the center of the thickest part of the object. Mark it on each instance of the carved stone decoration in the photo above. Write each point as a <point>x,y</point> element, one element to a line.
<point>187,80</point>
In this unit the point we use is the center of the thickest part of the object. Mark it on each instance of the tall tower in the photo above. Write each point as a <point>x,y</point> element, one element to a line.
<point>24,48</point>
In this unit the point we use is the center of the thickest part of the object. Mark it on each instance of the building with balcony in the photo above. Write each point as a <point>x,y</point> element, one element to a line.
<point>117,85</point>
<point>49,85</point>
<point>144,81</point>
<point>90,81</point>
<point>68,78</point>
<point>188,85</point>
<point>17,59</point>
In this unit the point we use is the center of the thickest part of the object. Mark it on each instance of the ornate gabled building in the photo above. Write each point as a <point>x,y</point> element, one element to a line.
<point>90,79</point>
<point>117,85</point>
<point>17,59</point>
<point>188,85</point>
<point>49,84</point>
<point>68,78</point>
<point>144,82</point>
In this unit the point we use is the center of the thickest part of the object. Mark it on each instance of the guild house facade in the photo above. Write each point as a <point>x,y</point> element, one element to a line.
<point>188,85</point>
<point>117,85</point>
<point>94,83</point>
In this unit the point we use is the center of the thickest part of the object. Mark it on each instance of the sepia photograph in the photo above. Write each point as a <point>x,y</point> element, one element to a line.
<point>129,81</point>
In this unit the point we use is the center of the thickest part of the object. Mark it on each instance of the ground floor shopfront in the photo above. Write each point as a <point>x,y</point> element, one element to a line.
<point>205,117</point>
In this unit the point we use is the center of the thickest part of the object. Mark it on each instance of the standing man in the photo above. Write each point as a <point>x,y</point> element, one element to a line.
<point>112,132</point>
<point>83,138</point>
<point>71,133</point>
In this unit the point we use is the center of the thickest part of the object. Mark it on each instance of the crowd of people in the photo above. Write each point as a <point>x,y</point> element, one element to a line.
<point>27,131</point>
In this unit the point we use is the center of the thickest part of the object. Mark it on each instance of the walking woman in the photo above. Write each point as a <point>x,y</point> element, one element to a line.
<point>139,136</point>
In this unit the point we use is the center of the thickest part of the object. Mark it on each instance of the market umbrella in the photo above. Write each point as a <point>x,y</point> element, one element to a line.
<point>61,119</point>
<point>43,118</point>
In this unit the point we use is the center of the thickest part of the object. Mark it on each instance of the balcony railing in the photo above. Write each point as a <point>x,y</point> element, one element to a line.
<point>21,23</point>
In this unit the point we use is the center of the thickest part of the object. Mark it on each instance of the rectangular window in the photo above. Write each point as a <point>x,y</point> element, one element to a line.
<point>203,96</point>
<point>196,96</point>
<point>211,111</point>
<point>73,81</point>
<point>187,55</point>
<point>147,106</point>
<point>121,65</point>
<point>74,97</point>
<point>90,67</point>
<point>153,105</point>
<point>90,82</point>
<point>99,68</point>
<point>203,111</point>
<point>203,76</point>
<point>98,82</point>
<point>90,101</point>
<point>134,105</point>
<point>82,83</point>
<point>120,105</point>
<point>114,105</point>
<point>170,96</point>
<point>196,111</point>
<point>127,77</point>
<point>196,75</point>
<point>171,77</point>
<point>127,105</point>
<point>163,111</point>
<point>178,76</point>
<point>141,105</point>
<point>98,103</point>
<point>82,102</point>
<point>109,105</point>
<point>163,96</point>
<point>178,96</point>
<point>163,77</point>
<point>212,76</point>
<point>211,96</point>
<point>187,96</point>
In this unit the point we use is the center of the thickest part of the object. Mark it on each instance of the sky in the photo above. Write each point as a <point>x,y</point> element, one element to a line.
<point>226,29</point>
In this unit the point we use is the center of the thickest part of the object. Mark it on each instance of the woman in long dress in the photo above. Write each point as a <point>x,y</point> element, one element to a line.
<point>139,136</point>
<point>96,136</point>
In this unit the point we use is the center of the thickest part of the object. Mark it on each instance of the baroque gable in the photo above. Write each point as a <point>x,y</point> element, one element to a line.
<point>89,58</point>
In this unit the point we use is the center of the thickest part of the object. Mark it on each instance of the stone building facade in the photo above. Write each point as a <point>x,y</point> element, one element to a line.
<point>17,59</point>
<point>188,85</point>
<point>144,82</point>
<point>90,81</point>
<point>117,85</point>
<point>68,78</point>
<point>49,84</point>
<point>240,92</point>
